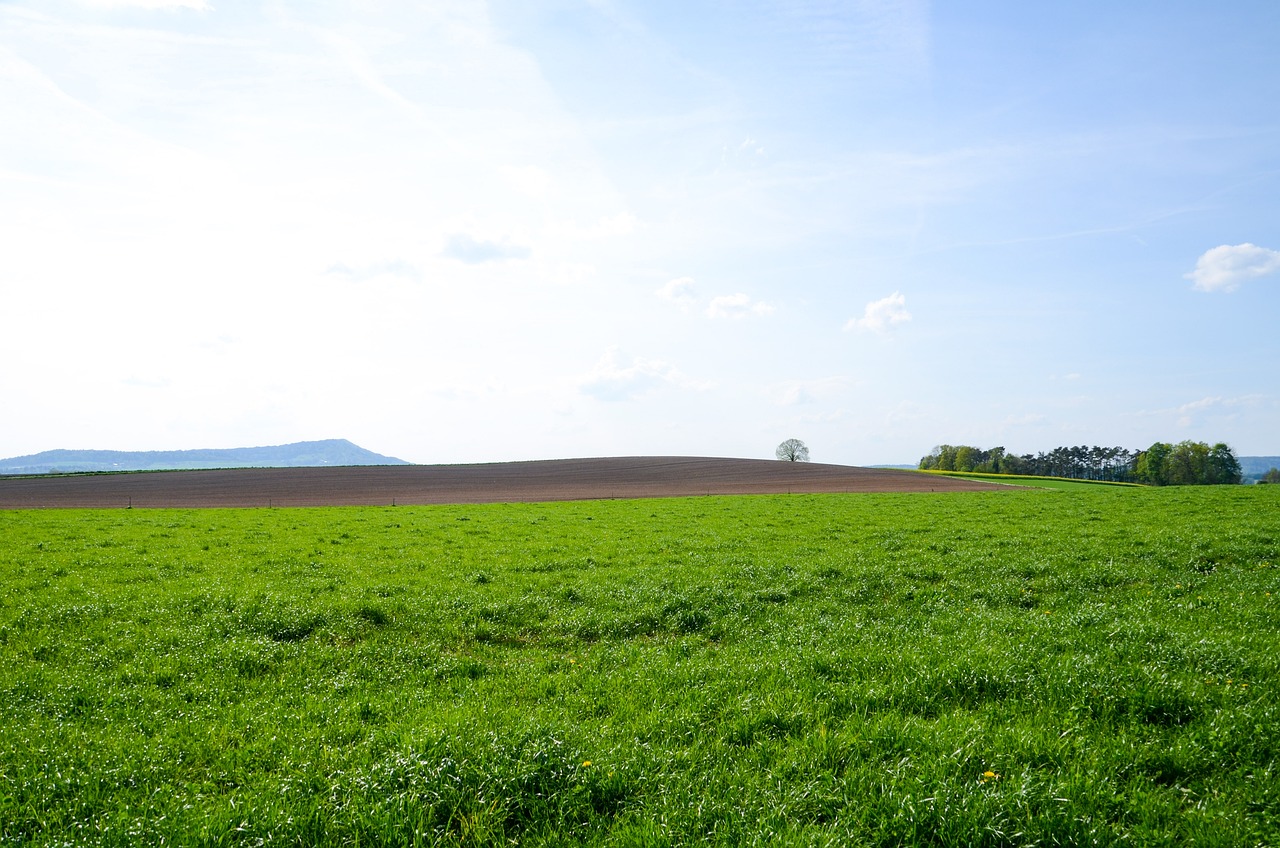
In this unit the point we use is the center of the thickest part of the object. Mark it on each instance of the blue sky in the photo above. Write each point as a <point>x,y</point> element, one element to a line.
<point>468,231</point>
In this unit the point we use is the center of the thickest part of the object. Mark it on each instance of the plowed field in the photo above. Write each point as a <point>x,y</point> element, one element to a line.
<point>508,482</point>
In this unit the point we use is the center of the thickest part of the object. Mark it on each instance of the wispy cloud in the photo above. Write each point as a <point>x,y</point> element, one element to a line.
<point>810,391</point>
<point>362,68</point>
<point>1219,406</point>
<point>618,377</point>
<point>528,180</point>
<point>390,268</point>
<point>197,5</point>
<point>1196,405</point>
<point>1225,267</point>
<point>881,314</point>
<point>150,382</point>
<point>611,226</point>
<point>566,273</point>
<point>1216,405</point>
<point>733,306</point>
<point>678,291</point>
<point>473,251</point>
<point>859,40</point>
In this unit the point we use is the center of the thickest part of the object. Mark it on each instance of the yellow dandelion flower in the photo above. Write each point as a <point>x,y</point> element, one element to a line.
<point>586,763</point>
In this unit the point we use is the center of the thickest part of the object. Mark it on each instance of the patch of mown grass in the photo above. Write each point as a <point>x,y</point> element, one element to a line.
<point>963,669</point>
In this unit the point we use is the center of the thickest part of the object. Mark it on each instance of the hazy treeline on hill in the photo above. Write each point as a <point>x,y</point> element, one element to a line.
<point>294,455</point>
<point>1262,469</point>
<point>1163,464</point>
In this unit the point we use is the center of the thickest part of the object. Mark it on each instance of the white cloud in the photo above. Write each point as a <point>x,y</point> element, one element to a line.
<point>198,5</point>
<point>1216,404</point>
<point>1196,405</point>
<point>728,306</point>
<point>678,291</point>
<point>621,224</point>
<point>620,377</point>
<point>566,273</point>
<point>1225,267</point>
<point>1213,406</point>
<point>473,251</point>
<point>736,306</point>
<point>810,391</point>
<point>528,180</point>
<point>150,382</point>
<point>389,268</point>
<point>881,314</point>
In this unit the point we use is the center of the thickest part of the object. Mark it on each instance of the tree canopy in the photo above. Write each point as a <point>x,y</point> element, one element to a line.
<point>793,450</point>
<point>1162,464</point>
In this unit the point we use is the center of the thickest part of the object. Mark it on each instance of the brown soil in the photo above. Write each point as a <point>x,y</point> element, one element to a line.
<point>507,482</point>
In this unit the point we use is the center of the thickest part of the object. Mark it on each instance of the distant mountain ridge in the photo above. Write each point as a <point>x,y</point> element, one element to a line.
<point>1254,467</point>
<point>295,455</point>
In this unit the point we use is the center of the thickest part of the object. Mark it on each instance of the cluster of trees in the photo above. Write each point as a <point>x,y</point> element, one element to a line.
<point>1188,463</point>
<point>1081,463</point>
<point>1162,464</point>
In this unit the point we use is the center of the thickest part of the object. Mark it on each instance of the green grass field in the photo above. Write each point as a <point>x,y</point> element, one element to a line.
<point>1017,668</point>
<point>1063,484</point>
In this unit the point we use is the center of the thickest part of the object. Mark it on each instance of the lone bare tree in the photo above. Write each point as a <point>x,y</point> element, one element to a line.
<point>793,450</point>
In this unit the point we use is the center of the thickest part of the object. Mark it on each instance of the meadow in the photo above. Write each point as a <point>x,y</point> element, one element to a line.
<point>981,669</point>
<point>1062,484</point>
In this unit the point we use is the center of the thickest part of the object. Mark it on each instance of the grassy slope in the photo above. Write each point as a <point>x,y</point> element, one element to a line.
<point>996,669</point>
<point>1064,484</point>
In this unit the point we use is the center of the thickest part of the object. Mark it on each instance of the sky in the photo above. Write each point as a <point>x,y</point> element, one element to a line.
<point>458,231</point>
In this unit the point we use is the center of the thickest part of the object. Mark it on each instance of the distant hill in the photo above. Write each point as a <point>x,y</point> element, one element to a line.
<point>297,455</point>
<point>1253,467</point>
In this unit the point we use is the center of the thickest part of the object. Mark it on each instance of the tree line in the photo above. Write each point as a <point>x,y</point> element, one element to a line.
<point>1183,464</point>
